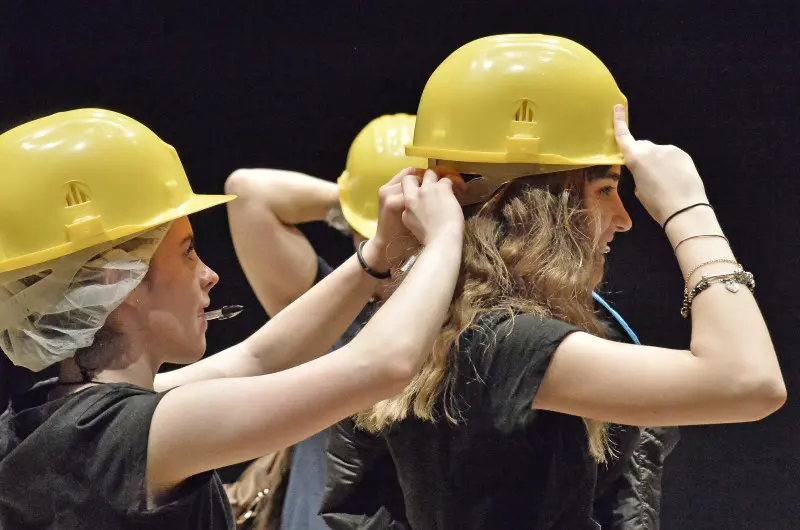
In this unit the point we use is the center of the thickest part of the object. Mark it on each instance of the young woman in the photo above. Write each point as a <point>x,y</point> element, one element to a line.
<point>505,424</point>
<point>99,272</point>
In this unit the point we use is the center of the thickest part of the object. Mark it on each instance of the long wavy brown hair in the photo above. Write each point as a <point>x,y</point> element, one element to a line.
<point>530,249</point>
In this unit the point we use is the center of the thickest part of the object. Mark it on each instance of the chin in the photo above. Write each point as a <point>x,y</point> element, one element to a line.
<point>189,355</point>
<point>198,353</point>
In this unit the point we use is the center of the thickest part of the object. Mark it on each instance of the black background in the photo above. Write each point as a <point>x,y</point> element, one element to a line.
<point>288,86</point>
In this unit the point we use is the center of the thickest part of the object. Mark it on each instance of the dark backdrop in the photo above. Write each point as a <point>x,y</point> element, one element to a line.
<point>289,86</point>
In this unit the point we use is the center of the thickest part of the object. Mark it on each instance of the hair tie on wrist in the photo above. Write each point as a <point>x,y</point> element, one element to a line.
<point>684,240</point>
<point>671,217</point>
<point>369,270</point>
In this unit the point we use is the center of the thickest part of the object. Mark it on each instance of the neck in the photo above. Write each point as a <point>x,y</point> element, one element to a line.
<point>141,373</point>
<point>134,366</point>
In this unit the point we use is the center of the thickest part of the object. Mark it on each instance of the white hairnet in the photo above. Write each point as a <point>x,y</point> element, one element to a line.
<point>51,310</point>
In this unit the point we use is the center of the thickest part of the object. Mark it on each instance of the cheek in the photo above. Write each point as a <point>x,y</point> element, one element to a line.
<point>601,215</point>
<point>607,219</point>
<point>174,295</point>
<point>596,214</point>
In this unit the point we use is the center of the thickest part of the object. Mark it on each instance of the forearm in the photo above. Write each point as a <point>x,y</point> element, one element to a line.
<point>403,321</point>
<point>293,197</point>
<point>311,325</point>
<point>728,329</point>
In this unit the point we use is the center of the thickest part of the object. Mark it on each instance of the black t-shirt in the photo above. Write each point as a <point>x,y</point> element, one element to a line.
<point>362,489</point>
<point>79,462</point>
<point>504,465</point>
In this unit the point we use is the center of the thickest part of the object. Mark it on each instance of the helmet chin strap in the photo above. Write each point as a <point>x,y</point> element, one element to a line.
<point>617,317</point>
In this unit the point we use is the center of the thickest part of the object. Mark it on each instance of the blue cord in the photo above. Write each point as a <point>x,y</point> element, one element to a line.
<point>617,317</point>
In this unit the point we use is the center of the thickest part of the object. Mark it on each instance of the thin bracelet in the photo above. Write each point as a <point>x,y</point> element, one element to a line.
<point>682,241</point>
<point>369,270</point>
<point>698,267</point>
<point>671,217</point>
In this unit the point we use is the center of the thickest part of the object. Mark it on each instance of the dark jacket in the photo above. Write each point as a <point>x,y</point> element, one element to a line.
<point>362,490</point>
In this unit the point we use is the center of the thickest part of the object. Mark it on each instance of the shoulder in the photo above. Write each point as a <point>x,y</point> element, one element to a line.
<point>501,366</point>
<point>500,345</point>
<point>109,425</point>
<point>119,402</point>
<point>505,331</point>
<point>85,405</point>
<point>533,332</point>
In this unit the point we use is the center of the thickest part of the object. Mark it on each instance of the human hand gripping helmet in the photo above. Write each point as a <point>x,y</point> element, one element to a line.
<point>375,156</point>
<point>535,100</point>
<point>87,197</point>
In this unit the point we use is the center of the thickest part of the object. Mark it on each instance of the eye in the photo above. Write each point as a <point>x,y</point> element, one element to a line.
<point>190,251</point>
<point>607,191</point>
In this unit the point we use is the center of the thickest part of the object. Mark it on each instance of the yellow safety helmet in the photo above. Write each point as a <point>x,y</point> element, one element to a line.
<point>520,99</point>
<point>375,156</point>
<point>84,177</point>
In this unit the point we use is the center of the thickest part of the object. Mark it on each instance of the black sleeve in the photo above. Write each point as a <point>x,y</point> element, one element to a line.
<point>361,485</point>
<point>113,434</point>
<point>516,365</point>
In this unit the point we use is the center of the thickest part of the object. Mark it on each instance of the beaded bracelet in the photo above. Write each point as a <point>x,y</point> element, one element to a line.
<point>710,262</point>
<point>731,280</point>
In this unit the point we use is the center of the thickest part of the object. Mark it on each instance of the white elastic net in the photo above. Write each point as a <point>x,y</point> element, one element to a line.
<point>51,310</point>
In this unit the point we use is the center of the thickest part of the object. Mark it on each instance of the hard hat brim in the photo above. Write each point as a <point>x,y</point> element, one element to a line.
<point>511,158</point>
<point>196,203</point>
<point>366,227</point>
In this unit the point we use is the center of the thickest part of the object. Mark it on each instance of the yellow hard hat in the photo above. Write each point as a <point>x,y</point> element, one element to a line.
<point>80,178</point>
<point>511,99</point>
<point>375,156</point>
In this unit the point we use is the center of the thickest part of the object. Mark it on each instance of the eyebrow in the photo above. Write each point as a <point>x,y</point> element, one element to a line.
<point>188,239</point>
<point>608,174</point>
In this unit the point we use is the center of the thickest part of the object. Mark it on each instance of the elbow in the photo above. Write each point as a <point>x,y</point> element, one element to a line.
<point>400,364</point>
<point>763,395</point>
<point>238,182</point>
<point>772,395</point>
<point>755,388</point>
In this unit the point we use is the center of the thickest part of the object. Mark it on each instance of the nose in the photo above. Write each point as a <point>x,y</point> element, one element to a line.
<point>208,278</point>
<point>622,221</point>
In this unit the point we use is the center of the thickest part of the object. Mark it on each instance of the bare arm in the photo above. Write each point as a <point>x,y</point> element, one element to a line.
<point>276,257</point>
<point>311,325</point>
<point>305,330</point>
<point>730,372</point>
<point>252,416</point>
